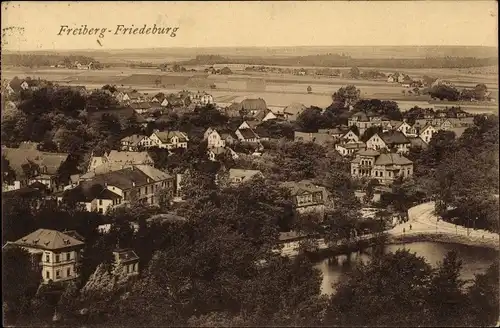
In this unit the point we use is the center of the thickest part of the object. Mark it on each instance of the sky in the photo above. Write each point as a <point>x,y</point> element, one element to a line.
<point>35,25</point>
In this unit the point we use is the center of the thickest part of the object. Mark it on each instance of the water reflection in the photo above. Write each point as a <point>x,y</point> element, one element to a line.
<point>474,260</point>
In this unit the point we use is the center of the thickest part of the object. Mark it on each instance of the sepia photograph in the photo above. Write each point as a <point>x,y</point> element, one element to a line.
<point>250,164</point>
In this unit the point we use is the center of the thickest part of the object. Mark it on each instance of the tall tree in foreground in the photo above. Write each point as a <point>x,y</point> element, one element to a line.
<point>389,291</point>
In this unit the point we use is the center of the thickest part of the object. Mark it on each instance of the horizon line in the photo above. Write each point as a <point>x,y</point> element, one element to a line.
<point>248,47</point>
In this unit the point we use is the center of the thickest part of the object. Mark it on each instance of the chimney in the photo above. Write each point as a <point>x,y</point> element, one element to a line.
<point>133,184</point>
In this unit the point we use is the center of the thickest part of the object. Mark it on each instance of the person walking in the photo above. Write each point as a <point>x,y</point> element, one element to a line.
<point>410,226</point>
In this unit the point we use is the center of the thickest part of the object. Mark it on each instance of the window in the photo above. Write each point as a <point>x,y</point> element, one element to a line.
<point>47,258</point>
<point>47,274</point>
<point>58,274</point>
<point>57,258</point>
<point>68,256</point>
<point>100,201</point>
<point>68,272</point>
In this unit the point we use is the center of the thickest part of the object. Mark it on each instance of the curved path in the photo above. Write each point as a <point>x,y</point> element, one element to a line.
<point>423,221</point>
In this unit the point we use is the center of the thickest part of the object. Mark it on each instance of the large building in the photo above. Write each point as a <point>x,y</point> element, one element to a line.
<point>57,253</point>
<point>384,167</point>
<point>104,191</point>
<point>390,140</point>
<point>307,197</point>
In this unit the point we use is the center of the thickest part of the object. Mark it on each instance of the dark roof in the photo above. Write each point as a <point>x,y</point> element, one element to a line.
<point>394,137</point>
<point>88,191</point>
<point>22,192</point>
<point>248,134</point>
<point>254,104</point>
<point>123,179</point>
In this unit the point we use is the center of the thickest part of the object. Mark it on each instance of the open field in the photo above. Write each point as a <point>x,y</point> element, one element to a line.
<point>277,89</point>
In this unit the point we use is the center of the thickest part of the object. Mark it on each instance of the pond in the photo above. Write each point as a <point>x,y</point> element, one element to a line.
<point>475,260</point>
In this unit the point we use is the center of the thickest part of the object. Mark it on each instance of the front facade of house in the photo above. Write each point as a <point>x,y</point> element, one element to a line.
<point>132,143</point>
<point>384,167</point>
<point>167,140</point>
<point>349,148</point>
<point>427,132</point>
<point>389,141</point>
<point>214,140</point>
<point>350,136</point>
<point>126,261</point>
<point>56,253</point>
<point>307,197</point>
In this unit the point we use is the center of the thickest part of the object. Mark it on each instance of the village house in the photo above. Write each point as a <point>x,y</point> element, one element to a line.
<point>237,176</point>
<point>292,111</point>
<point>201,98</point>
<point>137,183</point>
<point>363,121</point>
<point>116,160</point>
<point>245,133</point>
<point>384,167</point>
<point>31,165</point>
<point>349,137</point>
<point>349,148</point>
<point>94,198</point>
<point>264,115</point>
<point>141,107</point>
<point>133,97</point>
<point>167,140</point>
<point>214,139</point>
<point>126,261</point>
<point>390,140</point>
<point>336,133</point>
<point>212,153</point>
<point>427,132</point>
<point>55,253</point>
<point>133,142</point>
<point>307,197</point>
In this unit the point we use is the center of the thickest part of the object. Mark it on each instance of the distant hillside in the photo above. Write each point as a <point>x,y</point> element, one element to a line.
<point>43,59</point>
<point>335,60</point>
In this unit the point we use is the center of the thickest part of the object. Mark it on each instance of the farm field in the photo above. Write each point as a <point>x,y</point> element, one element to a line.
<point>278,89</point>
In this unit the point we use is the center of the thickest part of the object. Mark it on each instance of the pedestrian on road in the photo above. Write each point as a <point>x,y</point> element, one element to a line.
<point>410,226</point>
<point>404,230</point>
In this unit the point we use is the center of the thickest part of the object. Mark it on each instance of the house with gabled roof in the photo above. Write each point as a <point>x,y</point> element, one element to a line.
<point>307,197</point>
<point>214,139</point>
<point>349,148</point>
<point>167,140</point>
<point>390,140</point>
<point>141,107</point>
<point>126,261</point>
<point>213,152</point>
<point>56,253</point>
<point>292,111</point>
<point>133,142</point>
<point>247,135</point>
<point>136,183</point>
<point>382,166</point>
<point>237,176</point>
<point>427,132</point>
